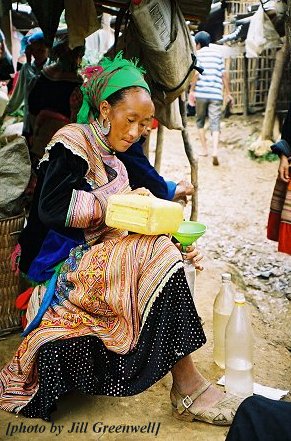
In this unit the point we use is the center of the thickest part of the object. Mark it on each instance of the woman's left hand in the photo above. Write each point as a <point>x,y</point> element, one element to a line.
<point>193,255</point>
<point>142,191</point>
<point>283,170</point>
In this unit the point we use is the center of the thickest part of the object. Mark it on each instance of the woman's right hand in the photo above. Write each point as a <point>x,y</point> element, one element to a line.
<point>283,170</point>
<point>183,190</point>
<point>192,98</point>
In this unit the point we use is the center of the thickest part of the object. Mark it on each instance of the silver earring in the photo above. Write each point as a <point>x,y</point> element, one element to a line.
<point>105,129</point>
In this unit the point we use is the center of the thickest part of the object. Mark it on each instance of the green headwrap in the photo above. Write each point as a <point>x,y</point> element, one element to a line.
<point>117,74</point>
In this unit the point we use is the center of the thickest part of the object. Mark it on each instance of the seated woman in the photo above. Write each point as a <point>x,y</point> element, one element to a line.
<point>117,313</point>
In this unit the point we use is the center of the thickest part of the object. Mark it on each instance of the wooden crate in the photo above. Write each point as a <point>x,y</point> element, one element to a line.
<point>258,71</point>
<point>259,79</point>
<point>259,74</point>
<point>234,66</point>
<point>234,8</point>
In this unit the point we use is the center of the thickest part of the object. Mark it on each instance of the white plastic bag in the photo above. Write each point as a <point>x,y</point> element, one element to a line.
<point>261,35</point>
<point>3,99</point>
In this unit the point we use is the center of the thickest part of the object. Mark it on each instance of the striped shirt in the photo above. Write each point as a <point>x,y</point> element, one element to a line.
<point>209,85</point>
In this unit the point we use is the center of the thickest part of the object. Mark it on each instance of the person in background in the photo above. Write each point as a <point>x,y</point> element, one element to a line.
<point>51,100</point>
<point>37,57</point>
<point>6,63</point>
<point>279,221</point>
<point>142,174</point>
<point>206,92</point>
<point>24,53</point>
<point>261,419</point>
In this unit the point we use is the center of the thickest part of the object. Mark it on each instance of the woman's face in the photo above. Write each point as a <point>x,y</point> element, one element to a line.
<point>129,118</point>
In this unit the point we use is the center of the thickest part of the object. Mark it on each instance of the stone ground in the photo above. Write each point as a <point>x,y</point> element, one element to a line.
<point>233,202</point>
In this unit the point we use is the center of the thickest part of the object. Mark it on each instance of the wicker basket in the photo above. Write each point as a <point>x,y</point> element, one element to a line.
<point>9,280</point>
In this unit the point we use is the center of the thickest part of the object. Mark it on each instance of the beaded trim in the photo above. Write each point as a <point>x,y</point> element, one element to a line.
<point>101,139</point>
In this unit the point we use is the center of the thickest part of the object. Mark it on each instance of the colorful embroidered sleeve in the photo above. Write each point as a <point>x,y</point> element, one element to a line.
<point>63,201</point>
<point>84,210</point>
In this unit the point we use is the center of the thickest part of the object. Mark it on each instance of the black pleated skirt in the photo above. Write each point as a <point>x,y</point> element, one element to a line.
<point>171,331</point>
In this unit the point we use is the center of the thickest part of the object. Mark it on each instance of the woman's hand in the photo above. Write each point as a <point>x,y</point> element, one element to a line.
<point>193,255</point>
<point>183,190</point>
<point>283,170</point>
<point>143,191</point>
<point>192,98</point>
<point>230,99</point>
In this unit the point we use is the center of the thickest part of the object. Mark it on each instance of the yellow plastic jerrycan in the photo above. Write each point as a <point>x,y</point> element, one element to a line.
<point>143,214</point>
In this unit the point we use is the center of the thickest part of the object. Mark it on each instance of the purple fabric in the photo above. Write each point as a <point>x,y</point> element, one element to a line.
<point>55,248</point>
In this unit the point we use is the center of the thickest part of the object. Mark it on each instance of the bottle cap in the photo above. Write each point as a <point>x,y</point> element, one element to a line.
<point>239,297</point>
<point>226,276</point>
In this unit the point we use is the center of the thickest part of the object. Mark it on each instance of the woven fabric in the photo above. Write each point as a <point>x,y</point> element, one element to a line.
<point>15,173</point>
<point>279,222</point>
<point>172,330</point>
<point>107,292</point>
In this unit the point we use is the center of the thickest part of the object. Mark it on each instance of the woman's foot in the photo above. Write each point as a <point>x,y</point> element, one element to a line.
<point>207,404</point>
<point>195,398</point>
<point>215,160</point>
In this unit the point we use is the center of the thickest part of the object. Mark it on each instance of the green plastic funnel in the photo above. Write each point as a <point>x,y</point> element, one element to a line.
<point>189,232</point>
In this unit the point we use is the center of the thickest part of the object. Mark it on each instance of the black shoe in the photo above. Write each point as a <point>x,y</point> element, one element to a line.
<point>215,160</point>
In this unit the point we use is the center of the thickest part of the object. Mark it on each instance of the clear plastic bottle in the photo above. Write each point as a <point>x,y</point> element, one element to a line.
<point>190,273</point>
<point>239,377</point>
<point>222,309</point>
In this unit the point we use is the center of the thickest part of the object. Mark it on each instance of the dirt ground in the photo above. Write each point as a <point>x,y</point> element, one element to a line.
<point>233,203</point>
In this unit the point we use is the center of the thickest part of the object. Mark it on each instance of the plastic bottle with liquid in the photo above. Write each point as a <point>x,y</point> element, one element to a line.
<point>190,273</point>
<point>239,376</point>
<point>222,309</point>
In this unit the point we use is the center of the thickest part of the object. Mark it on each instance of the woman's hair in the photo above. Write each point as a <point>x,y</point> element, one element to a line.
<point>119,95</point>
<point>108,82</point>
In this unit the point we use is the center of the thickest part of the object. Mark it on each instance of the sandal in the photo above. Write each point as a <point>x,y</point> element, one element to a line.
<point>220,414</point>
